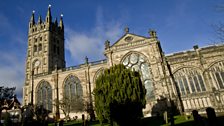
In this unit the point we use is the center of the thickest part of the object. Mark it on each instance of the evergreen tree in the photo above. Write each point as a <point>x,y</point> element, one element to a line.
<point>119,96</point>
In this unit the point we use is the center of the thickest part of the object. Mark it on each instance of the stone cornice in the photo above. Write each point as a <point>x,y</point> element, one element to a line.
<point>135,44</point>
<point>78,67</point>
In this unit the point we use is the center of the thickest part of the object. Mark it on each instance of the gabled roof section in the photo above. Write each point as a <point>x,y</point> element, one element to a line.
<point>128,38</point>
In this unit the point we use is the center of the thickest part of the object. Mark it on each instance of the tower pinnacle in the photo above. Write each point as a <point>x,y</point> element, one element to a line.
<point>39,20</point>
<point>32,20</point>
<point>61,25</point>
<point>48,16</point>
<point>56,22</point>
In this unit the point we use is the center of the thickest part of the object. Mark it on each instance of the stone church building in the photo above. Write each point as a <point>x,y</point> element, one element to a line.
<point>194,79</point>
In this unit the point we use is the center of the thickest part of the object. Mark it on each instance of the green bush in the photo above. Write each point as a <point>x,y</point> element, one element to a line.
<point>119,96</point>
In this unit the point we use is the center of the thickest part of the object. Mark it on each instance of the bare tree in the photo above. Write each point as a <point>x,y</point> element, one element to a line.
<point>68,105</point>
<point>219,28</point>
<point>219,31</point>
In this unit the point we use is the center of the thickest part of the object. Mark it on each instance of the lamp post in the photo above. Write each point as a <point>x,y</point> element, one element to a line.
<point>180,104</point>
<point>90,105</point>
<point>57,95</point>
<point>32,74</point>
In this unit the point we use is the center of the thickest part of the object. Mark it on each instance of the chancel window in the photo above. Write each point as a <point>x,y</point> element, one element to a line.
<point>217,74</point>
<point>189,80</point>
<point>139,63</point>
<point>44,95</point>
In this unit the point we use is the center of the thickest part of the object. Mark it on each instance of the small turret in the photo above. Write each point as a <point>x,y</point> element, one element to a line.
<point>48,16</point>
<point>61,25</point>
<point>32,20</point>
<point>126,30</point>
<point>152,33</point>
<point>107,44</point>
<point>39,20</point>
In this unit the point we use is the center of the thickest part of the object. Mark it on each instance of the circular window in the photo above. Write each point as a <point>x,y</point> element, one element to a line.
<point>128,39</point>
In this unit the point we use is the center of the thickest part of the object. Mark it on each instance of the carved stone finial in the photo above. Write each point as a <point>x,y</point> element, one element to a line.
<point>195,47</point>
<point>126,30</point>
<point>86,60</point>
<point>152,33</point>
<point>107,44</point>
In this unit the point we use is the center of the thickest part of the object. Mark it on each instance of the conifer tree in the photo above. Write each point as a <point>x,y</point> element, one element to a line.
<point>119,96</point>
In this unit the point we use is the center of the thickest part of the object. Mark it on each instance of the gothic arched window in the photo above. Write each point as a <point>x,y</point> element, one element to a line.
<point>217,74</point>
<point>35,48</point>
<point>97,74</point>
<point>44,95</point>
<point>40,47</point>
<point>139,63</point>
<point>189,81</point>
<point>72,87</point>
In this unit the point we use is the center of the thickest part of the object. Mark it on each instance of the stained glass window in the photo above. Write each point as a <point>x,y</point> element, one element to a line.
<point>139,63</point>
<point>191,84</point>
<point>44,95</point>
<point>192,81</point>
<point>72,87</point>
<point>217,74</point>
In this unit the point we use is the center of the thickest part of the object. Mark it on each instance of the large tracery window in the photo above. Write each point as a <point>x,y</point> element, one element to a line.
<point>73,94</point>
<point>217,74</point>
<point>139,63</point>
<point>72,87</point>
<point>189,81</point>
<point>44,95</point>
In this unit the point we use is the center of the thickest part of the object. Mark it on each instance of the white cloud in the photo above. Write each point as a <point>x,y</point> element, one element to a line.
<point>12,71</point>
<point>5,26</point>
<point>91,44</point>
<point>12,56</point>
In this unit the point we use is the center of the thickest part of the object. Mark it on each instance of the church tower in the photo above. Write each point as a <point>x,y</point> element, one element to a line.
<point>45,49</point>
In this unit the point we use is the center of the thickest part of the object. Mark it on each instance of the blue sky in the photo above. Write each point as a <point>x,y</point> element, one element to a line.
<point>180,24</point>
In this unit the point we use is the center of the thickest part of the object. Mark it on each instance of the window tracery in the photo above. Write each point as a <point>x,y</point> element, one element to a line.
<point>72,87</point>
<point>139,63</point>
<point>189,81</point>
<point>44,95</point>
<point>217,74</point>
